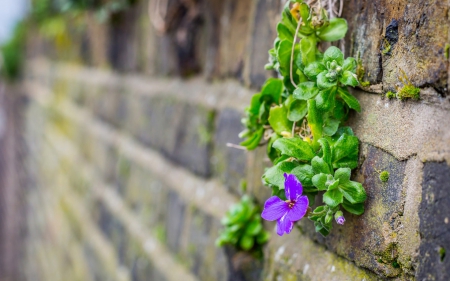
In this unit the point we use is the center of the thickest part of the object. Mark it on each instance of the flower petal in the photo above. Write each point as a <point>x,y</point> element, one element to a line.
<point>299,209</point>
<point>292,187</point>
<point>284,225</point>
<point>274,208</point>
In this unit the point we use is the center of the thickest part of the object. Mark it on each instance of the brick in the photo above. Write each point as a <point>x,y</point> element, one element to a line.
<point>422,35</point>
<point>307,261</point>
<point>257,162</point>
<point>434,213</point>
<point>234,27</point>
<point>260,41</point>
<point>174,221</point>
<point>371,240</point>
<point>194,140</point>
<point>164,119</point>
<point>229,163</point>
<point>242,266</point>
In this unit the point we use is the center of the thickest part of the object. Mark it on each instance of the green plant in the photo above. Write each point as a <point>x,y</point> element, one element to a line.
<point>384,176</point>
<point>12,53</point>
<point>243,227</point>
<point>408,90</point>
<point>390,95</point>
<point>300,114</point>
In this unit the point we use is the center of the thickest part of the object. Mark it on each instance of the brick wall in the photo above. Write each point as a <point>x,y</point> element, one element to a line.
<point>129,172</point>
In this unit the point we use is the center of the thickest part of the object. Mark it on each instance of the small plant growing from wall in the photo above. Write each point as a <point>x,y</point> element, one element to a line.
<point>243,227</point>
<point>300,116</point>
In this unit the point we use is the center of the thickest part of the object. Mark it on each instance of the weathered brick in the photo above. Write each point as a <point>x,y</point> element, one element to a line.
<point>174,220</point>
<point>419,52</point>
<point>194,140</point>
<point>261,37</point>
<point>370,240</point>
<point>242,266</point>
<point>296,257</point>
<point>234,27</point>
<point>434,213</point>
<point>229,163</point>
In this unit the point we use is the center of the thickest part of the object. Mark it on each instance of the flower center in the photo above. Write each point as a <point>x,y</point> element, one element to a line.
<point>290,203</point>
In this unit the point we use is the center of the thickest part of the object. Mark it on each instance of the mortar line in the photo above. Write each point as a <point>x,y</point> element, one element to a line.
<point>156,251</point>
<point>213,198</point>
<point>227,93</point>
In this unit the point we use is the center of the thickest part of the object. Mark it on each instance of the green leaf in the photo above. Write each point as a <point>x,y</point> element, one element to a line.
<point>304,12</point>
<point>263,113</point>
<point>320,166</point>
<point>320,181</point>
<point>336,30</point>
<point>284,33</point>
<point>255,104</point>
<point>284,56</point>
<point>349,64</point>
<point>321,228</point>
<point>345,152</point>
<point>274,176</point>
<point>272,152</point>
<point>287,19</point>
<point>280,159</point>
<point>323,82</point>
<point>350,100</point>
<point>318,213</point>
<point>263,237</point>
<point>306,91</point>
<point>278,119</point>
<point>353,191</point>
<point>340,110</point>
<point>328,218</point>
<point>331,126</point>
<point>334,185</point>
<point>333,53</point>
<point>357,209</point>
<point>313,69</point>
<point>295,147</point>
<point>253,141</point>
<point>297,110</point>
<point>273,88</point>
<point>308,50</point>
<point>304,174</point>
<point>326,98</point>
<point>315,123</point>
<point>326,150</point>
<point>290,88</point>
<point>246,242</point>
<point>349,78</point>
<point>253,228</point>
<point>343,175</point>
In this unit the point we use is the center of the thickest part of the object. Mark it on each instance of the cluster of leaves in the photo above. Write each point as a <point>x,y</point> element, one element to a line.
<point>301,112</point>
<point>243,227</point>
<point>407,91</point>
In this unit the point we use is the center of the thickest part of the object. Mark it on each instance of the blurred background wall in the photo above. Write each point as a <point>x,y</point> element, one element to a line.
<point>114,123</point>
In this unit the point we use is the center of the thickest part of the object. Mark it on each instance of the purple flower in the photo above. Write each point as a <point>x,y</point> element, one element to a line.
<point>289,211</point>
<point>339,217</point>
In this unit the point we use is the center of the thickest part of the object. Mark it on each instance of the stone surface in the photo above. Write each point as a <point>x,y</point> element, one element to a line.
<point>229,162</point>
<point>307,261</point>
<point>235,27</point>
<point>194,140</point>
<point>403,128</point>
<point>370,240</point>
<point>264,15</point>
<point>419,52</point>
<point>434,213</point>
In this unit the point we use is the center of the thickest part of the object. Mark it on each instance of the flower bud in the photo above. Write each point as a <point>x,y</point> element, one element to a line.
<point>339,217</point>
